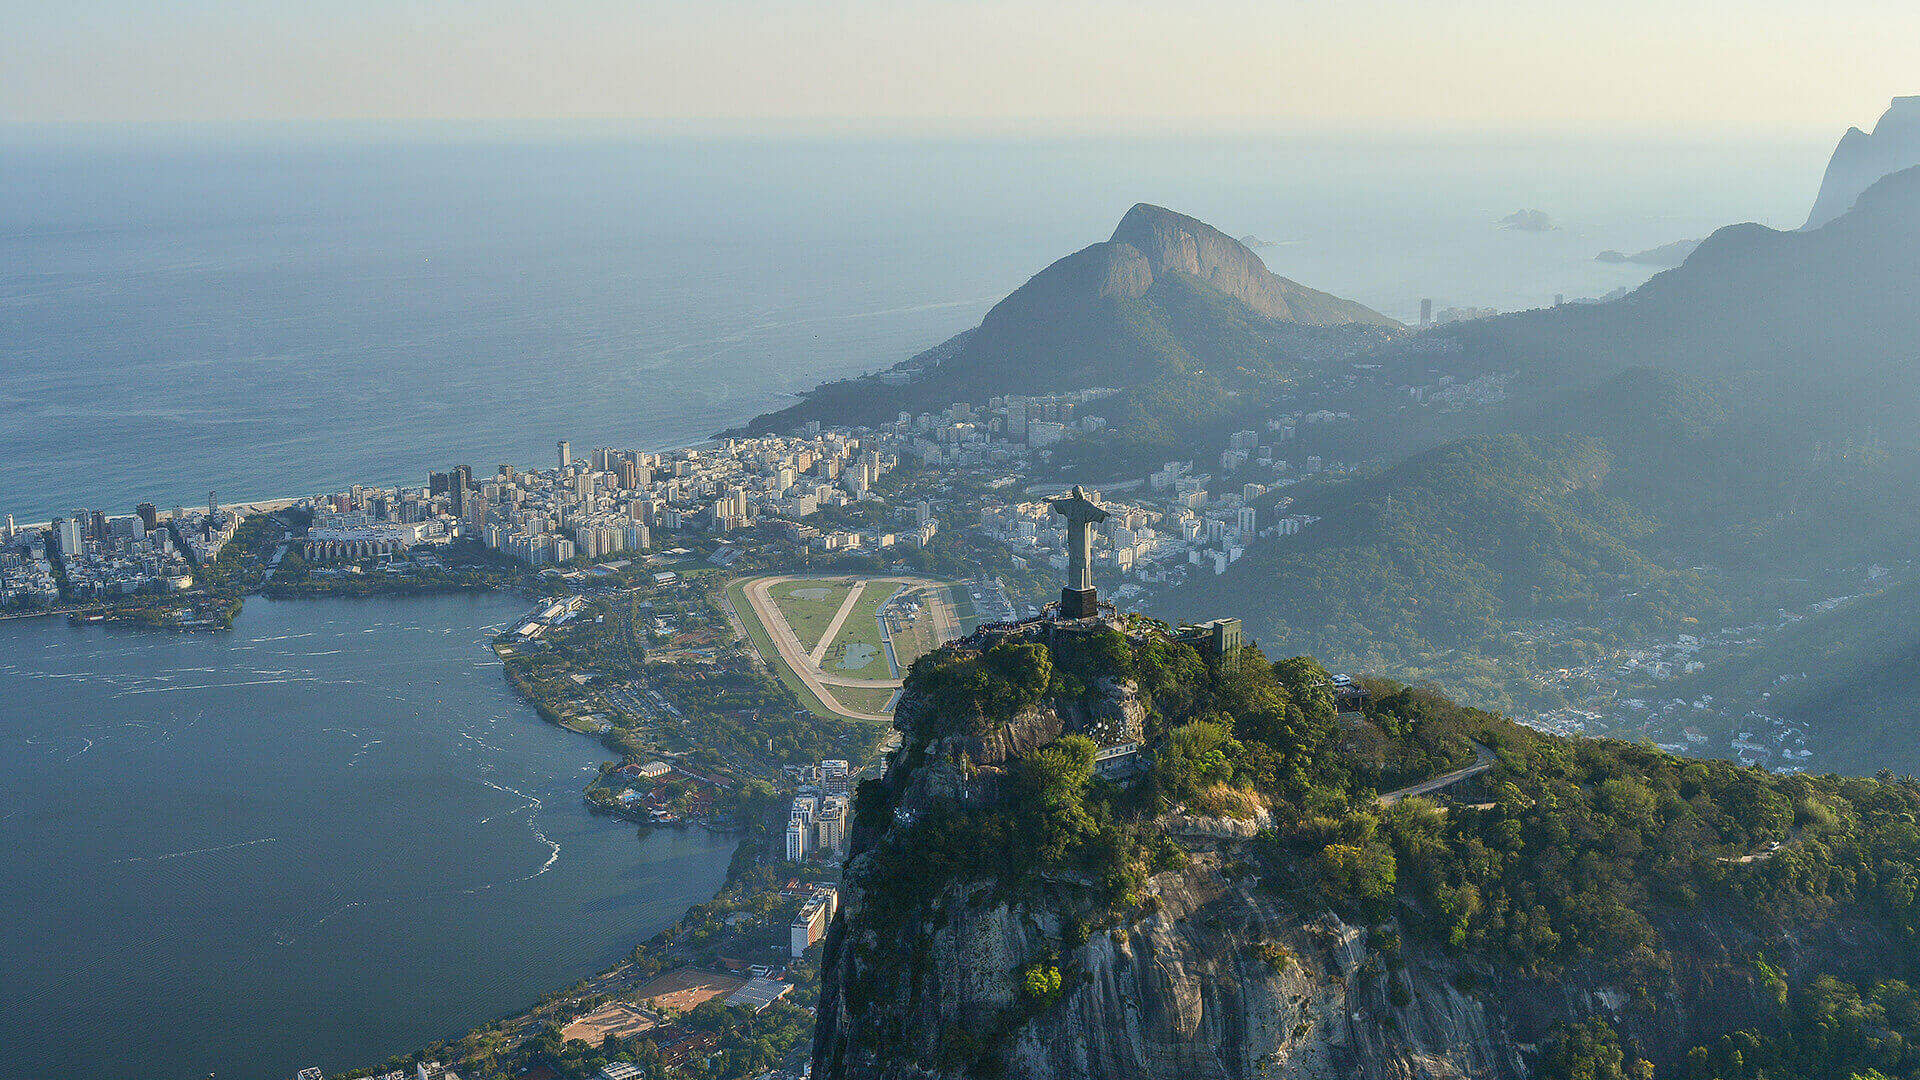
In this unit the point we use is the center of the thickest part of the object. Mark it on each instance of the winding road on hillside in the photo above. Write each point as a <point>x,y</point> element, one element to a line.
<point>1486,759</point>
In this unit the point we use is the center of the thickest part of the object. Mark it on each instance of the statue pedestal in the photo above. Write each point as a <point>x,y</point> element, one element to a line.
<point>1079,603</point>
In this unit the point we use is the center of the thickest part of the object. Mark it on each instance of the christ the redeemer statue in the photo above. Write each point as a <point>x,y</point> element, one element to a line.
<point>1078,600</point>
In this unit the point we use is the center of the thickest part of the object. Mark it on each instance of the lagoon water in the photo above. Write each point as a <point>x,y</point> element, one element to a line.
<point>285,311</point>
<point>326,837</point>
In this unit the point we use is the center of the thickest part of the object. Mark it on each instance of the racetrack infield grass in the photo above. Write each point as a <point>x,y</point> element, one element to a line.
<point>762,640</point>
<point>859,637</point>
<point>809,605</point>
<point>864,699</point>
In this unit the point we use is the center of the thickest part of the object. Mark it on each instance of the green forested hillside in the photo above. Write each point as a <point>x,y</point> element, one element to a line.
<point>1444,551</point>
<point>1750,411</point>
<point>1854,672</point>
<point>1751,924</point>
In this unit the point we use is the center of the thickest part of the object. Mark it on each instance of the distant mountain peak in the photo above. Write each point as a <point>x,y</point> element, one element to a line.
<point>1897,193</point>
<point>1171,242</point>
<point>1862,158</point>
<point>1160,300</point>
<point>1148,227</point>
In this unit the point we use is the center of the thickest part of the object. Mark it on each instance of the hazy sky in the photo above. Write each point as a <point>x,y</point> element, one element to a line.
<point>1623,65</point>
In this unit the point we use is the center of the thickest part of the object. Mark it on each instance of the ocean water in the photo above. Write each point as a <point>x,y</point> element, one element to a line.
<point>270,312</point>
<point>327,837</point>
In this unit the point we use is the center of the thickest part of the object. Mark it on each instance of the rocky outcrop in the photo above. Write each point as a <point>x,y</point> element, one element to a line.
<point>1863,158</point>
<point>1209,972</point>
<point>1217,828</point>
<point>1170,242</point>
<point>1211,977</point>
<point>1219,980</point>
<point>1219,983</point>
<point>1528,220</point>
<point>965,767</point>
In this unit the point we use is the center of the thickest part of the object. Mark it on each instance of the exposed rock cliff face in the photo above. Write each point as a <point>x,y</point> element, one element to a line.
<point>964,767</point>
<point>1220,982</point>
<point>1863,158</point>
<point>1152,242</point>
<point>1213,976</point>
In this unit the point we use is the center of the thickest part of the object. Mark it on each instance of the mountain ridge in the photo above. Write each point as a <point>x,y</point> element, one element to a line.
<point>1116,313</point>
<point>1752,408</point>
<point>1749,302</point>
<point>1861,158</point>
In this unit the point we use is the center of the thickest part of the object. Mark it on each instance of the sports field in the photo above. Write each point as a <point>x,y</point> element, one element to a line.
<point>809,606</point>
<point>857,652</point>
<point>823,635</point>
<point>866,699</point>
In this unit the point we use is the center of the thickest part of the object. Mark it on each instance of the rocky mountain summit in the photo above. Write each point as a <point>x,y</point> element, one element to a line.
<point>1164,296</point>
<point>1862,158</point>
<point>1168,242</point>
<point>1152,246</point>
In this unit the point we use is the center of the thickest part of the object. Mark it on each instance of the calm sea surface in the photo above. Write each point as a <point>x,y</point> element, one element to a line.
<point>327,837</point>
<point>291,311</point>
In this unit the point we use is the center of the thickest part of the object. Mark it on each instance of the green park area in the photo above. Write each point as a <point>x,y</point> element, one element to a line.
<point>857,651</point>
<point>863,699</point>
<point>809,606</point>
<point>762,640</point>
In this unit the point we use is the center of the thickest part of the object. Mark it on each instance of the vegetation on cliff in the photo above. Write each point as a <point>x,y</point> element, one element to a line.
<point>1778,912</point>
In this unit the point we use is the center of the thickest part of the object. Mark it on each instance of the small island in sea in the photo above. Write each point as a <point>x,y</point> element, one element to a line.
<point>1528,220</point>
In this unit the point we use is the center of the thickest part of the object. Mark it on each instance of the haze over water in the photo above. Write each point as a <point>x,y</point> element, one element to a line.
<point>289,311</point>
<point>326,837</point>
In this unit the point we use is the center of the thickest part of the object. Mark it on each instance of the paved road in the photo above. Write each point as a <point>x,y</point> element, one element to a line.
<point>275,564</point>
<point>1486,761</point>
